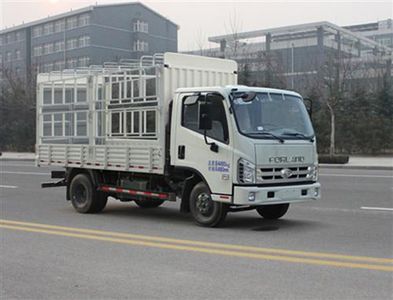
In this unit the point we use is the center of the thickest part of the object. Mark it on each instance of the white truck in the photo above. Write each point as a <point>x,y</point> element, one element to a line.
<point>175,126</point>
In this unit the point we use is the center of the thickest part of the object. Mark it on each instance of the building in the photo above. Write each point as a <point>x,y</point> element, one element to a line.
<point>381,32</point>
<point>292,56</point>
<point>87,36</point>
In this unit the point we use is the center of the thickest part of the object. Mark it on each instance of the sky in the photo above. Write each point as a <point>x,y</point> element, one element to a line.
<point>199,20</point>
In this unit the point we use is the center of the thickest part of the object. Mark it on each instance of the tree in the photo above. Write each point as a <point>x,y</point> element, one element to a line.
<point>17,111</point>
<point>335,77</point>
<point>200,41</point>
<point>233,28</point>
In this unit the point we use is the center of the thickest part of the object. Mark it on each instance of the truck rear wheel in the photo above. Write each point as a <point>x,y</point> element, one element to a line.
<point>149,203</point>
<point>204,210</point>
<point>273,212</point>
<point>84,197</point>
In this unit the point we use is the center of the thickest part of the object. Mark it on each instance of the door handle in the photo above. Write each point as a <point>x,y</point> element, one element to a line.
<point>181,152</point>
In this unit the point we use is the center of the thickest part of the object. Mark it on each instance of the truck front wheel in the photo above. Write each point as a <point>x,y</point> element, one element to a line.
<point>84,197</point>
<point>204,210</point>
<point>273,212</point>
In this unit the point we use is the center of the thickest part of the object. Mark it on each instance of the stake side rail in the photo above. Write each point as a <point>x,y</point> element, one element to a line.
<point>102,118</point>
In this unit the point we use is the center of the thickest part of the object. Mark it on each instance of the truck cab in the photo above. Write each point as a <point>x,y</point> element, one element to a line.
<point>250,147</point>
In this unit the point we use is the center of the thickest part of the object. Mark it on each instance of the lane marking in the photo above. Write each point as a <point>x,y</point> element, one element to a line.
<point>8,186</point>
<point>206,247</point>
<point>24,173</point>
<point>377,208</point>
<point>335,209</point>
<point>207,250</point>
<point>200,243</point>
<point>355,175</point>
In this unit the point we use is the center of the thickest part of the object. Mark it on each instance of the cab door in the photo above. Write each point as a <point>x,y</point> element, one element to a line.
<point>209,151</point>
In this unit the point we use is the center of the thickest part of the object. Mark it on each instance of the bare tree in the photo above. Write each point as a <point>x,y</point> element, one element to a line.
<point>17,110</point>
<point>200,41</point>
<point>331,83</point>
<point>233,27</point>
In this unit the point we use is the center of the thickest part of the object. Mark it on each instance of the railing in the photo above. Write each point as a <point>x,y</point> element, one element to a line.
<point>91,105</point>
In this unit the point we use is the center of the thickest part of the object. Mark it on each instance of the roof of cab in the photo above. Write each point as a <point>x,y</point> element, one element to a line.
<point>239,88</point>
<point>244,88</point>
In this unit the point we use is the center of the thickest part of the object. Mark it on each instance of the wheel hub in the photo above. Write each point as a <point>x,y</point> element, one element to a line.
<point>80,195</point>
<point>204,203</point>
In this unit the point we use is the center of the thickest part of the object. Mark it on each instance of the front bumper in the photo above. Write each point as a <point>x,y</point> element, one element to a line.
<point>254,195</point>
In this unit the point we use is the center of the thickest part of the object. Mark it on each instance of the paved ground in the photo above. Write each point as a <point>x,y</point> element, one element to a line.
<point>338,248</point>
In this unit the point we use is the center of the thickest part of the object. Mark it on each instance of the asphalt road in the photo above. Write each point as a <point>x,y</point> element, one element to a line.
<point>338,248</point>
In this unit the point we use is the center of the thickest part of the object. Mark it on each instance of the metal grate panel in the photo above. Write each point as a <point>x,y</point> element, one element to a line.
<point>277,174</point>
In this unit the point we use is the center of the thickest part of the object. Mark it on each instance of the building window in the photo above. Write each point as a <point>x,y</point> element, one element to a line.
<point>72,22</point>
<point>18,56</point>
<point>140,26</point>
<point>84,61</point>
<point>18,36</point>
<point>385,24</point>
<point>59,46</point>
<point>72,63</point>
<point>84,41</point>
<point>47,67</point>
<point>37,31</point>
<point>141,46</point>
<point>10,38</point>
<point>72,44</point>
<point>84,20</point>
<point>48,28</point>
<point>1,58</point>
<point>45,49</point>
<point>17,70</point>
<point>8,56</point>
<point>385,41</point>
<point>59,26</point>
<point>48,48</point>
<point>37,51</point>
<point>1,40</point>
<point>59,65</point>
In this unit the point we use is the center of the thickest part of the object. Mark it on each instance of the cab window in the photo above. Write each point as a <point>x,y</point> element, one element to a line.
<point>191,111</point>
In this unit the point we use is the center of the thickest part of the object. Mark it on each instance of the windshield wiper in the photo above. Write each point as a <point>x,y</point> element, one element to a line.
<point>269,134</point>
<point>310,138</point>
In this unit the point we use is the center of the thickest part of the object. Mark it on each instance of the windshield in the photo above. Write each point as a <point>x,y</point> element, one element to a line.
<point>271,115</point>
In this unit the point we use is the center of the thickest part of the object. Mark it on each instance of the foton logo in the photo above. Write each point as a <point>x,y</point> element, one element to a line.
<point>286,159</point>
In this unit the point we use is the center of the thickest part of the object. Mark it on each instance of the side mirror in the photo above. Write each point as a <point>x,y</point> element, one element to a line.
<point>308,103</point>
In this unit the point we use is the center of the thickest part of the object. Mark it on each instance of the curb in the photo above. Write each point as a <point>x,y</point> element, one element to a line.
<point>330,166</point>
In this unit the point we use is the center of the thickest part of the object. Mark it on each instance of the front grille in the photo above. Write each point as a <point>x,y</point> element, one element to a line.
<point>276,174</point>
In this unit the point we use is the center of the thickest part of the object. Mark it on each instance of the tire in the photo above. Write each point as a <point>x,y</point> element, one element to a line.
<point>149,203</point>
<point>84,197</point>
<point>273,212</point>
<point>204,210</point>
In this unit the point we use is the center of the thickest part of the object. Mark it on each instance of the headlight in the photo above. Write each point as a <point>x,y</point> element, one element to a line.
<point>313,173</point>
<point>246,171</point>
